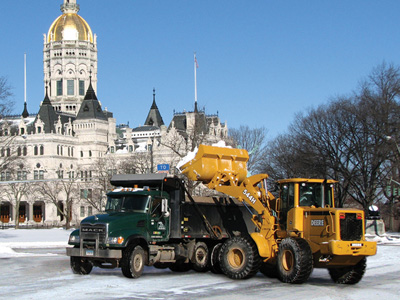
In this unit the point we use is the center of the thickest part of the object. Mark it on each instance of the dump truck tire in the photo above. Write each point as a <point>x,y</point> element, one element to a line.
<point>239,258</point>
<point>295,262</point>
<point>201,257</point>
<point>349,275</point>
<point>214,257</point>
<point>180,267</point>
<point>80,265</point>
<point>133,261</point>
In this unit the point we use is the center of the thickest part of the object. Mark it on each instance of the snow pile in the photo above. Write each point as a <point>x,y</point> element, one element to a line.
<point>187,158</point>
<point>191,155</point>
<point>11,239</point>
<point>390,238</point>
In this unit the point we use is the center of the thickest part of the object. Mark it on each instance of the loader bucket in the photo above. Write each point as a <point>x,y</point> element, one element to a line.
<point>210,159</point>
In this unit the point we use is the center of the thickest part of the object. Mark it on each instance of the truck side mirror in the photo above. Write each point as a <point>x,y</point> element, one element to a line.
<point>164,207</point>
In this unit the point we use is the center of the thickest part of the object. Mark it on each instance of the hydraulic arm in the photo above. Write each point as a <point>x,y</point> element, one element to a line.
<point>224,170</point>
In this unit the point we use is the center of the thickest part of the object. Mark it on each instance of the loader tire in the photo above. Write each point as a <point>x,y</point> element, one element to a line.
<point>350,274</point>
<point>201,257</point>
<point>80,265</point>
<point>133,261</point>
<point>269,270</point>
<point>295,262</point>
<point>239,258</point>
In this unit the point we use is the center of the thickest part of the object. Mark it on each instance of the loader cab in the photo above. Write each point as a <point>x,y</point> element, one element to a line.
<point>301,192</point>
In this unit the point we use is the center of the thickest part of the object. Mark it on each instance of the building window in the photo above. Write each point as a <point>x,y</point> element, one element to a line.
<point>59,88</point>
<point>130,148</point>
<point>19,151</point>
<point>25,151</point>
<point>82,211</point>
<point>81,88</point>
<point>42,150</point>
<point>38,174</point>
<point>86,193</point>
<point>70,87</point>
<point>90,153</point>
<point>5,176</point>
<point>21,175</point>
<point>90,210</point>
<point>60,174</point>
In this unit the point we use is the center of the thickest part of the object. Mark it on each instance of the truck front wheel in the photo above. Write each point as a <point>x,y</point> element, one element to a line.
<point>239,258</point>
<point>80,265</point>
<point>349,275</point>
<point>133,261</point>
<point>295,262</point>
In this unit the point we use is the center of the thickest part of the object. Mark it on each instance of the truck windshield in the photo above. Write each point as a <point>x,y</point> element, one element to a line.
<point>120,203</point>
<point>315,194</point>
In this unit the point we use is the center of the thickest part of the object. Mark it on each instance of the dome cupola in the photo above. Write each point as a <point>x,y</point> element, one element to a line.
<point>70,26</point>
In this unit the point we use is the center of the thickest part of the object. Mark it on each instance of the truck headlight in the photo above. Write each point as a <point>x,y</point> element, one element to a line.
<point>73,239</point>
<point>115,240</point>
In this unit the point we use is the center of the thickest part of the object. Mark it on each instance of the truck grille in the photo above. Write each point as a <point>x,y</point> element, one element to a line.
<point>94,232</point>
<point>351,228</point>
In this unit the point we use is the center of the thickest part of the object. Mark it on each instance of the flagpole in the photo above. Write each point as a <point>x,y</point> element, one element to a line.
<point>24,77</point>
<point>195,80</point>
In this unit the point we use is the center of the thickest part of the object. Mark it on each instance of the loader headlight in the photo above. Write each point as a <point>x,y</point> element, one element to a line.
<point>115,240</point>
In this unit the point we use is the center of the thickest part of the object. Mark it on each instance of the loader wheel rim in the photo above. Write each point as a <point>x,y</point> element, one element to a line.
<point>287,260</point>
<point>236,258</point>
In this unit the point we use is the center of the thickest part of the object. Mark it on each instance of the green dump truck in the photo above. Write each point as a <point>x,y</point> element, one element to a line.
<point>151,220</point>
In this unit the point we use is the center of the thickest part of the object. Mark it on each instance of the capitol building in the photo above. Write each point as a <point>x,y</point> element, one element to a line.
<point>56,164</point>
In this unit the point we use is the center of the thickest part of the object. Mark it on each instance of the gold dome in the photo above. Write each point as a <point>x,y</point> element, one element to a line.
<point>70,26</point>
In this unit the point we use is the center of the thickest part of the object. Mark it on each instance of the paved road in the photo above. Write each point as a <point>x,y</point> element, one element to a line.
<point>47,276</point>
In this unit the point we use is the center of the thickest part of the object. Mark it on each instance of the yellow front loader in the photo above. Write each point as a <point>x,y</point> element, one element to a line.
<point>295,233</point>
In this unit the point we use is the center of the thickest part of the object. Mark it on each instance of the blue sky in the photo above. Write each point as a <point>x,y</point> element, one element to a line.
<point>260,61</point>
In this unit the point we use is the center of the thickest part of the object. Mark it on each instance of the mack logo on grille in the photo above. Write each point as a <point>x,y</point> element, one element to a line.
<point>96,230</point>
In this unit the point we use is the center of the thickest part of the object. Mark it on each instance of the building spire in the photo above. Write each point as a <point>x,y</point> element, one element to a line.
<point>69,7</point>
<point>154,105</point>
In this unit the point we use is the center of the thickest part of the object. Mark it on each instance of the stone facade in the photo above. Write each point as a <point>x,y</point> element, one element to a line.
<point>56,164</point>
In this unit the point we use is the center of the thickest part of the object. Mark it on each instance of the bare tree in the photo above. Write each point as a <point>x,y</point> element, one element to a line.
<point>6,137</point>
<point>253,140</point>
<point>6,104</point>
<point>345,140</point>
<point>54,191</point>
<point>15,192</point>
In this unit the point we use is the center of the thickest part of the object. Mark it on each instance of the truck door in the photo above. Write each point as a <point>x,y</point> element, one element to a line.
<point>159,221</point>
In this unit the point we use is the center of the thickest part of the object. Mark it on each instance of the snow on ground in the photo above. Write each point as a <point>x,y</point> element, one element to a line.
<point>56,238</point>
<point>21,262</point>
<point>11,239</point>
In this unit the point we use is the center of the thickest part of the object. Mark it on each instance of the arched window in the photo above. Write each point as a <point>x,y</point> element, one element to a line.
<point>41,150</point>
<point>35,150</point>
<point>25,151</point>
